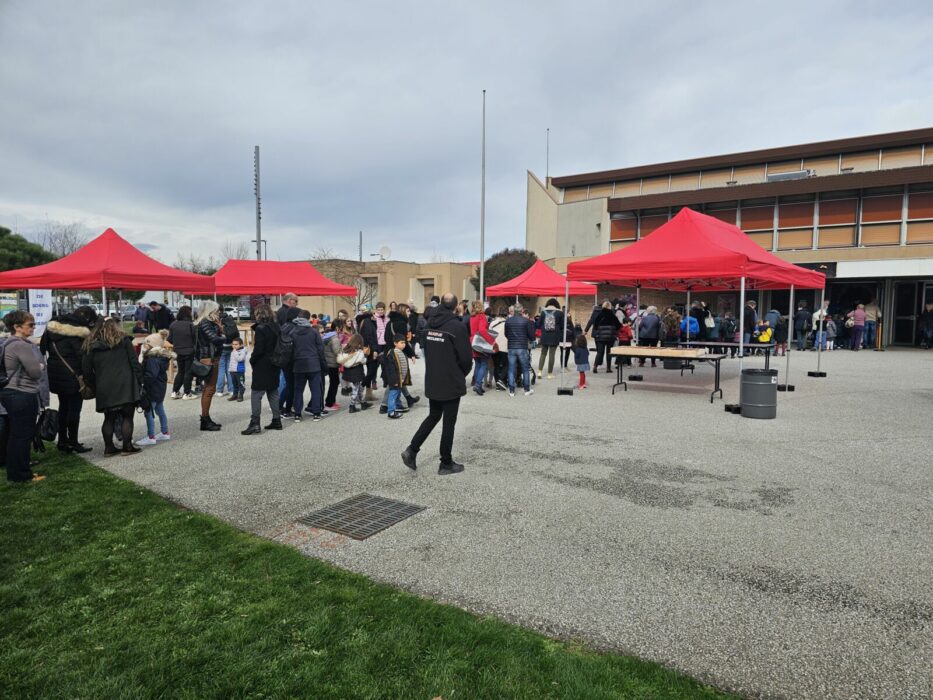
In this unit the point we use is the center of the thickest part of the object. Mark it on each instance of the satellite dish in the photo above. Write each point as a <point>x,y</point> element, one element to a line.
<point>385,252</point>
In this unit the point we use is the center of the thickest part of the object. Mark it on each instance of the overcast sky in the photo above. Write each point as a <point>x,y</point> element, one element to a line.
<point>143,116</point>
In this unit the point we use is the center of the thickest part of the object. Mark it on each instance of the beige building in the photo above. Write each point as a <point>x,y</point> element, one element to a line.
<point>859,209</point>
<point>391,280</point>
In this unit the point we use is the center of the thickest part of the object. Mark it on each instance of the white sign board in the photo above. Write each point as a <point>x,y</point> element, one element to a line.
<point>40,306</point>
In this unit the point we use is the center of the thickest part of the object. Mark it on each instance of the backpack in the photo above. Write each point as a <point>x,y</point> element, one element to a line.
<point>284,351</point>
<point>231,330</point>
<point>729,327</point>
<point>550,323</point>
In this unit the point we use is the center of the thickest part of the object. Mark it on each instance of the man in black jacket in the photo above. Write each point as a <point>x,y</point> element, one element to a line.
<point>448,359</point>
<point>159,317</point>
<point>802,320</point>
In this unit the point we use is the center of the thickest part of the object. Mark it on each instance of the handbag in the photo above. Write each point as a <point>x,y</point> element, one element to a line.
<point>709,322</point>
<point>84,389</point>
<point>47,426</point>
<point>850,322</point>
<point>480,344</point>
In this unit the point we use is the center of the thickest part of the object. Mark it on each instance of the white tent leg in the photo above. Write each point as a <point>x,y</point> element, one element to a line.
<point>560,346</point>
<point>741,327</point>
<point>103,299</point>
<point>687,315</point>
<point>637,307</point>
<point>790,340</point>
<point>819,337</point>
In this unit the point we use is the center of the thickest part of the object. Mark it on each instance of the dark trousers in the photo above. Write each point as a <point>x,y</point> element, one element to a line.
<point>183,375</point>
<point>69,418</point>
<point>647,343</point>
<point>500,367</point>
<point>121,416</point>
<point>439,409</point>
<point>372,369</point>
<point>333,383</point>
<point>602,349</point>
<point>22,409</point>
<point>313,380</point>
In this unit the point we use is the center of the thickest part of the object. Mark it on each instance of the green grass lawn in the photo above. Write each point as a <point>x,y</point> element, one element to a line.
<point>109,591</point>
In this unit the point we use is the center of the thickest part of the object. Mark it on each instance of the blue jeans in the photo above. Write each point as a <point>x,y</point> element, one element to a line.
<point>394,395</point>
<point>819,340</point>
<point>519,356</point>
<point>223,377</point>
<point>801,338</point>
<point>747,338</point>
<point>480,364</point>
<point>158,409</point>
<point>870,328</point>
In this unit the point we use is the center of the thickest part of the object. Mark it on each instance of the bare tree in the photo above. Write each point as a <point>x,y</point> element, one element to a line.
<point>232,250</point>
<point>197,264</point>
<point>347,272</point>
<point>62,239</point>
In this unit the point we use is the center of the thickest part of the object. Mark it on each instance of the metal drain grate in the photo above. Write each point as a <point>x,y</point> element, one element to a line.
<point>361,516</point>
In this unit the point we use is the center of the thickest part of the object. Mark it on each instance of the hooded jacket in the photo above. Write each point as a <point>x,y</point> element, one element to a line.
<point>309,349</point>
<point>114,373</point>
<point>61,344</point>
<point>181,336</point>
<point>155,372</point>
<point>553,317</point>
<point>367,329</point>
<point>331,349</point>
<point>447,356</point>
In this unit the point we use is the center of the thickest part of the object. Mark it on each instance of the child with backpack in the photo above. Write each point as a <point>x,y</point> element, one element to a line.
<point>155,358</point>
<point>353,360</point>
<point>581,357</point>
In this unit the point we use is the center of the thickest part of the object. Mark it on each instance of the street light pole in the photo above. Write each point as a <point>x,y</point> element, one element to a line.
<point>258,203</point>
<point>482,214</point>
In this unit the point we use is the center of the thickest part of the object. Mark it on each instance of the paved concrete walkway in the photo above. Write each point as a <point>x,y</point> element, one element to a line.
<point>784,558</point>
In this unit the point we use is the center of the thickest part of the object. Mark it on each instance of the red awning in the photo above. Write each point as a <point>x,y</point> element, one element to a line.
<point>695,252</point>
<point>539,280</point>
<point>275,277</point>
<point>107,261</point>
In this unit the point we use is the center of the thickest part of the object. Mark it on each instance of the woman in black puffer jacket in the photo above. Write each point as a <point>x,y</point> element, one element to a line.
<point>210,341</point>
<point>113,371</point>
<point>605,328</point>
<point>62,344</point>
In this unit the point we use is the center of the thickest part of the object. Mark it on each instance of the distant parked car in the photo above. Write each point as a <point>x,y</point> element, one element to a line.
<point>128,313</point>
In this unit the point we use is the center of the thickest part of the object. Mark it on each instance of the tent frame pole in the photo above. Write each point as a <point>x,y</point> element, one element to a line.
<point>103,299</point>
<point>741,328</point>
<point>560,346</point>
<point>687,315</point>
<point>790,326</point>
<point>637,308</point>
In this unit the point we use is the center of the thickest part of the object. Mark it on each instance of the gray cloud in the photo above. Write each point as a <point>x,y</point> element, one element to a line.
<point>145,119</point>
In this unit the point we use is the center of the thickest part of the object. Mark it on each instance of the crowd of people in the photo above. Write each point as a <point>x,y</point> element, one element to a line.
<point>84,356</point>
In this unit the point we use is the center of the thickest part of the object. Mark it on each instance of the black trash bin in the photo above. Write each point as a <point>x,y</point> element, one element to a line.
<point>758,393</point>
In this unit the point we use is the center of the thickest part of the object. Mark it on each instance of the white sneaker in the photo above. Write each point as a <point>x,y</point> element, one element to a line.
<point>176,394</point>
<point>511,394</point>
<point>187,397</point>
<point>145,442</point>
<point>529,392</point>
<point>550,376</point>
<point>163,437</point>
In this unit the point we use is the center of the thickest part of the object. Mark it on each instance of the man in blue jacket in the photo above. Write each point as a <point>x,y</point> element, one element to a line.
<point>519,331</point>
<point>448,358</point>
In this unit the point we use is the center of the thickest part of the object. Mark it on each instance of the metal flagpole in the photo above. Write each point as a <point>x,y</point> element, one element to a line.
<point>741,328</point>
<point>482,215</point>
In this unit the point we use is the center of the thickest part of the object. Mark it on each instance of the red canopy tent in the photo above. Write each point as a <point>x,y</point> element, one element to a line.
<point>695,252</point>
<point>540,280</point>
<point>107,261</point>
<point>274,277</point>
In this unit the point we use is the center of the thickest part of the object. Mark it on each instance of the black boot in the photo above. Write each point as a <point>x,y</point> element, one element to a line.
<point>253,428</point>
<point>276,424</point>
<point>129,448</point>
<point>208,425</point>
<point>409,458</point>
<point>213,422</point>
<point>446,469</point>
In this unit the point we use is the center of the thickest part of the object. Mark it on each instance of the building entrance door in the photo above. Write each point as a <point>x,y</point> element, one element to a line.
<point>905,313</point>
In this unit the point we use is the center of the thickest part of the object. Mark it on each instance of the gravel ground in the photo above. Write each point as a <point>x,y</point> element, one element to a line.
<point>784,558</point>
